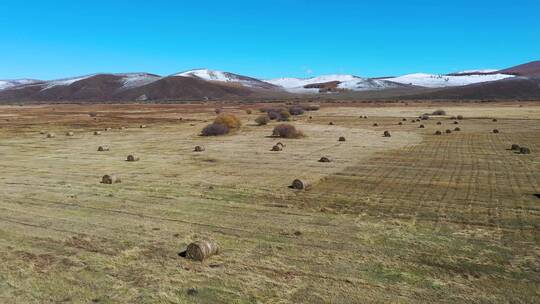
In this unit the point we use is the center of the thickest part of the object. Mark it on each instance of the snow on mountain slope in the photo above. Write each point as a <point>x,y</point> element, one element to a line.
<point>6,84</point>
<point>345,82</point>
<point>64,82</point>
<point>483,71</point>
<point>133,80</point>
<point>220,76</point>
<point>438,81</point>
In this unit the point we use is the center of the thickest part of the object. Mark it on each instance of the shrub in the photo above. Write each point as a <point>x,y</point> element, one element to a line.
<point>460,117</point>
<point>296,110</point>
<point>228,120</point>
<point>439,112</point>
<point>287,131</point>
<point>424,117</point>
<point>215,129</point>
<point>281,114</point>
<point>262,120</point>
<point>218,111</point>
<point>310,107</point>
<point>248,111</point>
<point>284,115</point>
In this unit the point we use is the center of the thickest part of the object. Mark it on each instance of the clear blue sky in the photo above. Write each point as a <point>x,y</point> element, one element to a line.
<point>273,38</point>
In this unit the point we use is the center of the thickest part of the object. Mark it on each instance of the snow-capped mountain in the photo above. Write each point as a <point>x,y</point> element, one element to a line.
<point>337,82</point>
<point>6,84</point>
<point>440,81</point>
<point>220,76</point>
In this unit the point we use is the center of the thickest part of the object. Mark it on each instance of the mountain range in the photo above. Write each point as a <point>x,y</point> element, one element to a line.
<point>519,82</point>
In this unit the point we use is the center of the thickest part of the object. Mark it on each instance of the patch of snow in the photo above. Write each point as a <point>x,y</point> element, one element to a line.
<point>64,82</point>
<point>220,76</point>
<point>346,82</point>
<point>6,84</point>
<point>133,80</point>
<point>439,81</point>
<point>484,71</point>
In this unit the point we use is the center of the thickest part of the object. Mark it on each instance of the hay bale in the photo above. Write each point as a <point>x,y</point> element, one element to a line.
<point>70,133</point>
<point>515,147</point>
<point>400,123</point>
<point>202,250</point>
<point>107,129</point>
<point>386,134</point>
<point>324,159</point>
<point>42,132</point>
<point>448,131</point>
<point>524,150</point>
<point>97,133</point>
<point>51,135</point>
<point>300,184</point>
<point>276,148</point>
<point>103,148</point>
<point>132,158</point>
<point>457,129</point>
<point>331,123</point>
<point>280,144</point>
<point>438,132</point>
<point>375,124</point>
<point>459,117</point>
<point>404,119</point>
<point>453,118</point>
<point>496,131</point>
<point>494,120</point>
<point>456,122</point>
<point>199,149</point>
<point>142,126</point>
<point>421,126</point>
<point>110,179</point>
<point>439,123</point>
<point>342,138</point>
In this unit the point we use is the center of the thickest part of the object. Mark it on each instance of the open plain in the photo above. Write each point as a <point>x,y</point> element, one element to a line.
<point>411,218</point>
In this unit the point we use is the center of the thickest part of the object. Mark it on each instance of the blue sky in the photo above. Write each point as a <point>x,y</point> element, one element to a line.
<point>266,39</point>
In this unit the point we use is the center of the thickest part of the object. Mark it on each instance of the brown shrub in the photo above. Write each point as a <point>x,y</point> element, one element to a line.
<point>198,149</point>
<point>249,111</point>
<point>400,123</point>
<point>457,129</point>
<point>459,117</point>
<point>514,147</point>
<point>215,129</point>
<point>286,131</point>
<point>296,110</point>
<point>496,131</point>
<point>438,132</point>
<point>439,123</point>
<point>311,107</point>
<point>421,126</point>
<point>341,138</point>
<point>439,112</point>
<point>386,134</point>
<point>228,120</point>
<point>494,120</point>
<point>448,131</point>
<point>375,124</point>
<point>262,120</point>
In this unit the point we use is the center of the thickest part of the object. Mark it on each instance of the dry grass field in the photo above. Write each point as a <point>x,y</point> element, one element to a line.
<point>411,218</point>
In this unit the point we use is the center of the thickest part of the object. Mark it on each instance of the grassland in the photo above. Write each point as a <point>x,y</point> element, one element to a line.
<point>414,218</point>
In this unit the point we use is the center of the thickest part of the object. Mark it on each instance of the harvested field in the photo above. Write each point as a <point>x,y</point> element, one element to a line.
<point>415,218</point>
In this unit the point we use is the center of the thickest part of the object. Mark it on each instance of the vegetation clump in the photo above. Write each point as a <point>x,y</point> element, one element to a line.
<point>215,129</point>
<point>439,112</point>
<point>287,131</point>
<point>228,120</point>
<point>262,120</point>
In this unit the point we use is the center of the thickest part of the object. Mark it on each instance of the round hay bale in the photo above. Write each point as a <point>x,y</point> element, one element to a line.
<point>421,126</point>
<point>132,158</point>
<point>524,150</point>
<point>97,133</point>
<point>459,117</point>
<point>70,133</point>
<point>375,124</point>
<point>276,148</point>
<point>202,250</point>
<point>515,147</point>
<point>448,131</point>
<point>342,138</point>
<point>496,131</point>
<point>51,135</point>
<point>311,117</point>
<point>142,126</point>
<point>331,123</point>
<point>456,122</point>
<point>386,134</point>
<point>110,179</point>
<point>400,123</point>
<point>324,159</point>
<point>453,118</point>
<point>457,129</point>
<point>494,120</point>
<point>299,184</point>
<point>439,123</point>
<point>103,148</point>
<point>107,129</point>
<point>438,132</point>
<point>280,144</point>
<point>365,117</point>
<point>198,149</point>
<point>418,120</point>
<point>42,132</point>
<point>404,119</point>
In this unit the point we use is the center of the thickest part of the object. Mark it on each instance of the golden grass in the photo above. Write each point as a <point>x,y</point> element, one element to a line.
<point>412,218</point>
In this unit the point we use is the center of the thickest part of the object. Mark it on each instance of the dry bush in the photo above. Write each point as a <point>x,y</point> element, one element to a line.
<point>198,149</point>
<point>248,111</point>
<point>496,131</point>
<point>421,126</point>
<point>215,129</point>
<point>439,112</point>
<point>460,117</point>
<point>494,120</point>
<point>262,120</point>
<point>515,147</point>
<point>311,107</point>
<point>457,129</point>
<point>424,117</point>
<point>287,131</point>
<point>92,114</point>
<point>228,120</point>
<point>296,110</point>
<point>342,138</point>
<point>448,131</point>
<point>438,132</point>
<point>324,159</point>
<point>386,134</point>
